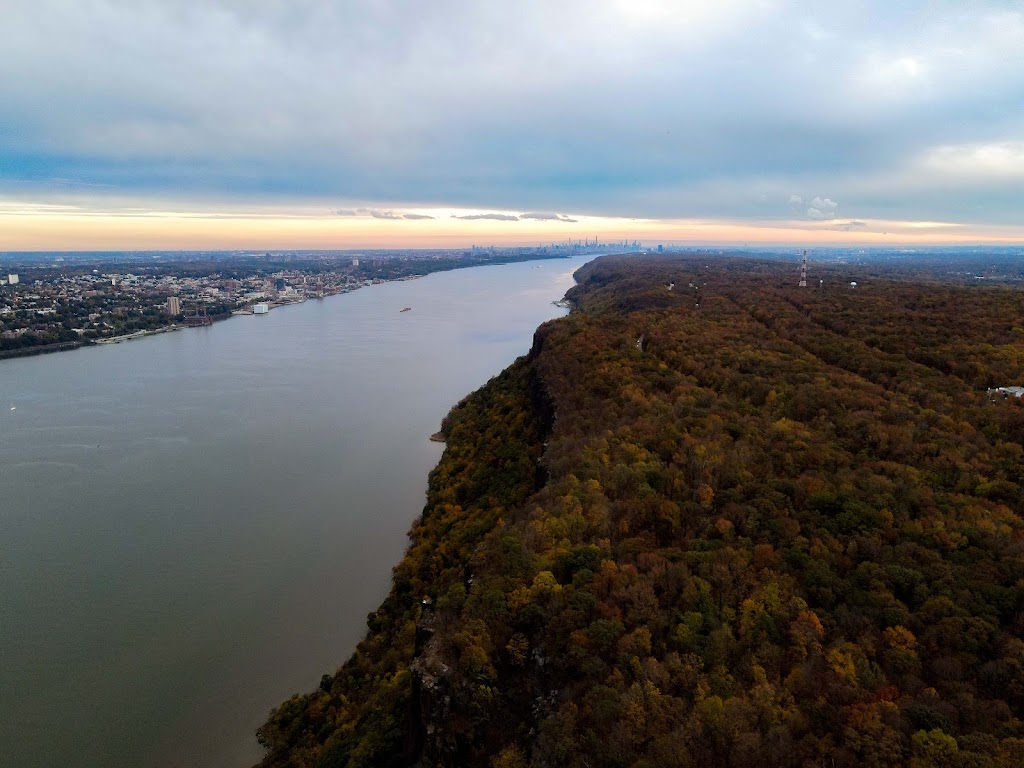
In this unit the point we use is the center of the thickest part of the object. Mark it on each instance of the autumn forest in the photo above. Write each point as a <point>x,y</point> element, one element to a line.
<point>711,519</point>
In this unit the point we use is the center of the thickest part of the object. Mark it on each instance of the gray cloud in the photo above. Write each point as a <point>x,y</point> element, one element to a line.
<point>850,226</point>
<point>822,208</point>
<point>397,103</point>
<point>376,213</point>
<point>547,217</point>
<point>489,216</point>
<point>817,208</point>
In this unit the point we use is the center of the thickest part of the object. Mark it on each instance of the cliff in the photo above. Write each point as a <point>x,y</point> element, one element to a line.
<point>730,522</point>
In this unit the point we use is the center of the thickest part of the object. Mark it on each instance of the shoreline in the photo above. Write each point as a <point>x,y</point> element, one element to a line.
<point>43,349</point>
<point>138,334</point>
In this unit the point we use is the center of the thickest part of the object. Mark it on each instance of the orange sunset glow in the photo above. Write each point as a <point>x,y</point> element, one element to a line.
<point>70,229</point>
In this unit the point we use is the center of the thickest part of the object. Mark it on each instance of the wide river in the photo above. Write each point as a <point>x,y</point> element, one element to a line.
<point>194,525</point>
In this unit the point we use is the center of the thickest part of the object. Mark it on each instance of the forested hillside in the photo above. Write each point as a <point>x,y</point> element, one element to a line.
<point>732,522</point>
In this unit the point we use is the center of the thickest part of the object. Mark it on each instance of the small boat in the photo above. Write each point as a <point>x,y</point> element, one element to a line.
<point>405,310</point>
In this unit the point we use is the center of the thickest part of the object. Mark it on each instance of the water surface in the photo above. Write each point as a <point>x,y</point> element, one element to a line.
<point>195,525</point>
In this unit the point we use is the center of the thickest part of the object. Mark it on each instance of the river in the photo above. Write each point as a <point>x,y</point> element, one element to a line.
<point>194,525</point>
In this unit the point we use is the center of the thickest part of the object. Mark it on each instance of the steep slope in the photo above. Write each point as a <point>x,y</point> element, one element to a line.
<point>728,523</point>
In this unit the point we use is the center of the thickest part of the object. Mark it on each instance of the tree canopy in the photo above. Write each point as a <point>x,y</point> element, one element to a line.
<point>732,522</point>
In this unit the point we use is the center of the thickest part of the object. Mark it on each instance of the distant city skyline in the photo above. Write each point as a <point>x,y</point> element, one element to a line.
<point>380,123</point>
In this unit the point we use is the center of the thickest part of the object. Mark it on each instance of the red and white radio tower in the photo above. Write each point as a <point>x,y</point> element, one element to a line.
<point>803,271</point>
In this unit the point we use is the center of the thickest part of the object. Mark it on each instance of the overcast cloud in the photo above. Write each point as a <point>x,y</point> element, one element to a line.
<point>487,217</point>
<point>729,108</point>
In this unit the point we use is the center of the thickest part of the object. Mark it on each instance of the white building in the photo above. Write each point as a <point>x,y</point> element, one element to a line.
<point>12,279</point>
<point>1007,391</point>
<point>260,309</point>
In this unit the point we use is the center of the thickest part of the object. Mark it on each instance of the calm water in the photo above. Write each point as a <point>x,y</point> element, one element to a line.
<point>193,526</point>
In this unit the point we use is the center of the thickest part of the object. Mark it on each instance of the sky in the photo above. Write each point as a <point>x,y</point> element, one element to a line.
<point>398,123</point>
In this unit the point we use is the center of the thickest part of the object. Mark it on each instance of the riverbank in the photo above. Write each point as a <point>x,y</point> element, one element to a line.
<point>43,349</point>
<point>66,346</point>
<point>140,334</point>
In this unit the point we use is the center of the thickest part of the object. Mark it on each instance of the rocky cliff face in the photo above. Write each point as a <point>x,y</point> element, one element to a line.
<point>399,700</point>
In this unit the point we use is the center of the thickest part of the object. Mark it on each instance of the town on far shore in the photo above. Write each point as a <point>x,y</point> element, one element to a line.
<point>56,301</point>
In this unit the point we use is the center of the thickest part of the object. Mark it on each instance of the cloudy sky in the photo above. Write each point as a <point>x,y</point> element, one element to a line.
<point>336,123</point>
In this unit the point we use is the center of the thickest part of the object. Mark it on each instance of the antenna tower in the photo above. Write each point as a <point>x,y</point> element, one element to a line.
<point>803,271</point>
